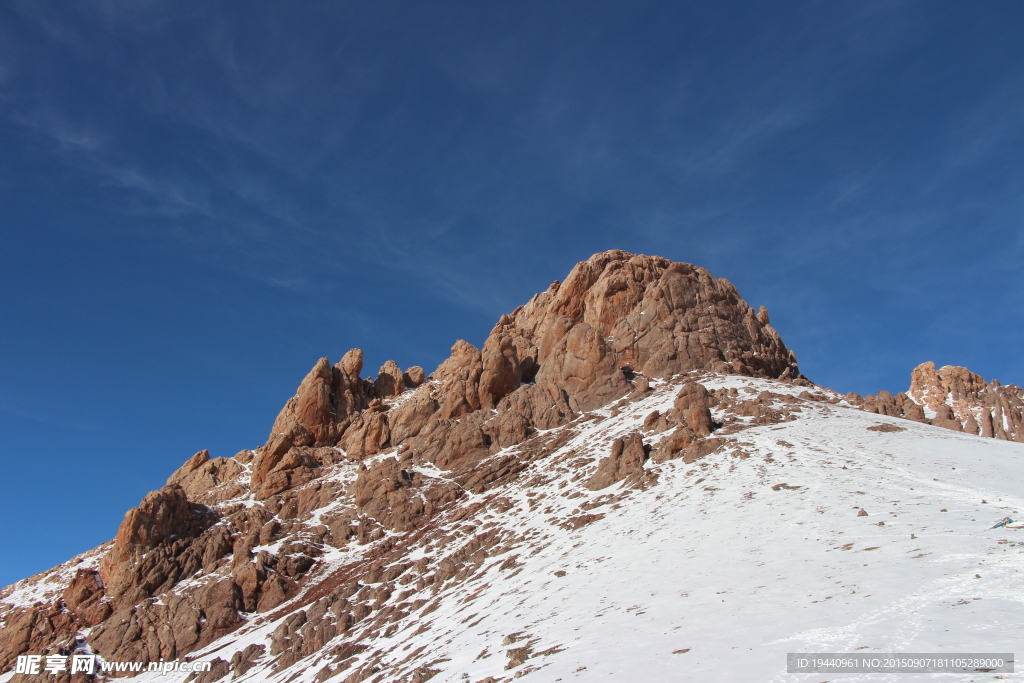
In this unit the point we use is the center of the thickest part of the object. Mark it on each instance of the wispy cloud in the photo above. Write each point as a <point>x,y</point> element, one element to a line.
<point>459,276</point>
<point>69,135</point>
<point>724,151</point>
<point>294,284</point>
<point>230,208</point>
<point>50,418</point>
<point>85,148</point>
<point>989,128</point>
<point>59,24</point>
<point>164,197</point>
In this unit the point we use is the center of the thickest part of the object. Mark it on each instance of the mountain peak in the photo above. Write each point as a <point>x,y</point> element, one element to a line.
<point>570,349</point>
<point>657,316</point>
<point>408,511</point>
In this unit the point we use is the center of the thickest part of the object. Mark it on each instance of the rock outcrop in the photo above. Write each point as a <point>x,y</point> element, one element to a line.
<point>206,480</point>
<point>163,516</point>
<point>396,497</point>
<point>692,403</point>
<point>645,314</point>
<point>964,401</point>
<point>390,381</point>
<point>400,480</point>
<point>617,321</point>
<point>954,398</point>
<point>625,461</point>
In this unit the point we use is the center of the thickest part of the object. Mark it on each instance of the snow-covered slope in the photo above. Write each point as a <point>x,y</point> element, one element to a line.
<point>712,573</point>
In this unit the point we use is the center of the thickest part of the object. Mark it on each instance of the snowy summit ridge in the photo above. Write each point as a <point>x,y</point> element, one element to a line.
<point>631,480</point>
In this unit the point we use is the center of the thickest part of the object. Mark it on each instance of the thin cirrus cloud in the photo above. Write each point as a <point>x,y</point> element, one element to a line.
<point>69,135</point>
<point>293,152</point>
<point>149,193</point>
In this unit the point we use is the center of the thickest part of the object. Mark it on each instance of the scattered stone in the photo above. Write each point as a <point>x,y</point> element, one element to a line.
<point>886,427</point>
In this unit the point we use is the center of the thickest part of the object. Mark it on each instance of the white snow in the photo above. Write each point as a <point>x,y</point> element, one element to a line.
<point>712,574</point>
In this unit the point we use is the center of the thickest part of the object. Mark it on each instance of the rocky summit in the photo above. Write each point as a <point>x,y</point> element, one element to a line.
<point>630,478</point>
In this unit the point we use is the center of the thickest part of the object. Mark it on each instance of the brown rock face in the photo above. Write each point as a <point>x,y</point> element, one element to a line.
<point>626,460</point>
<point>368,433</point>
<point>83,597</point>
<point>350,365</point>
<point>671,446</point>
<point>459,377</point>
<point>583,366</point>
<point>580,344</point>
<point>207,480</point>
<point>163,516</point>
<point>964,401</point>
<point>648,313</point>
<point>390,381</point>
<point>506,362</point>
<point>392,496</point>
<point>411,417</point>
<point>413,376</point>
<point>692,403</point>
<point>617,320</point>
<point>326,400</point>
<point>698,418</point>
<point>957,399</point>
<point>944,418</point>
<point>508,428</point>
<point>541,406</point>
<point>311,407</point>
<point>280,465</point>
<point>31,630</point>
<point>615,314</point>
<point>326,404</point>
<point>884,403</point>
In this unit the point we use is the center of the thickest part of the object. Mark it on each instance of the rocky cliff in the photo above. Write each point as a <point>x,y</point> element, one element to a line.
<point>570,349</point>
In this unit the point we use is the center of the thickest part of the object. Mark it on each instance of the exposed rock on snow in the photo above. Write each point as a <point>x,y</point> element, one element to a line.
<point>955,398</point>
<point>625,461</point>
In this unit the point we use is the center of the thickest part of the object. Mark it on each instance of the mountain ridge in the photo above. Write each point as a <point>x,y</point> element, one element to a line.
<point>349,502</point>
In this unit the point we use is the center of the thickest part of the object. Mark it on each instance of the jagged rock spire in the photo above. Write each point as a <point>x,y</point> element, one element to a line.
<point>572,348</point>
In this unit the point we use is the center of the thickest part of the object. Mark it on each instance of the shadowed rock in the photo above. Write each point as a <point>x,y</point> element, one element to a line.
<point>413,377</point>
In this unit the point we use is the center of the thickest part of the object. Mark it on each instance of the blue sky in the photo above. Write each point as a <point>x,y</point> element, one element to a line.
<point>199,199</point>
